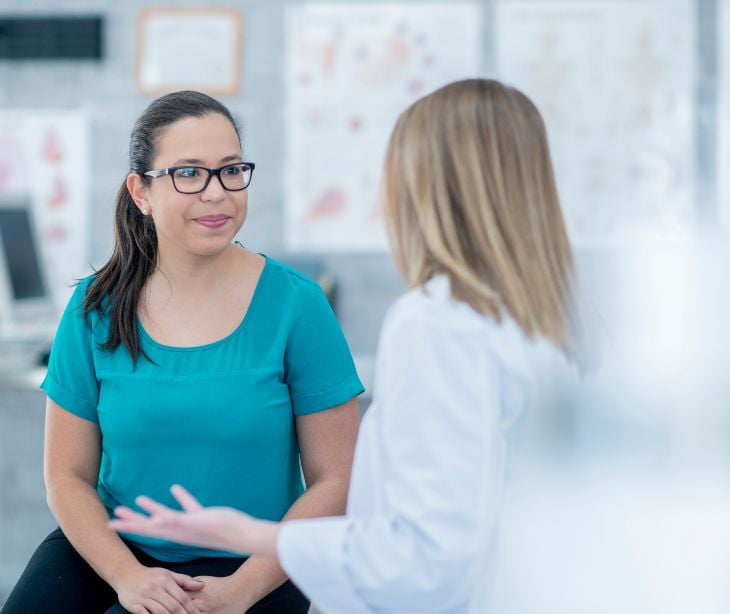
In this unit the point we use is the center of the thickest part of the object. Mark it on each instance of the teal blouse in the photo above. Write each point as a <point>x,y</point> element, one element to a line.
<point>217,418</point>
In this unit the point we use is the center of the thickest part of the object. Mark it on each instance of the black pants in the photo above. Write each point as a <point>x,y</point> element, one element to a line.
<point>58,580</point>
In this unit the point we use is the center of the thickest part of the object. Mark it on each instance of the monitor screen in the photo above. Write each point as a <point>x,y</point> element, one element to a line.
<point>21,255</point>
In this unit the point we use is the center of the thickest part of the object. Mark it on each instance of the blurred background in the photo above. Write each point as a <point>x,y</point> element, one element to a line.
<point>620,496</point>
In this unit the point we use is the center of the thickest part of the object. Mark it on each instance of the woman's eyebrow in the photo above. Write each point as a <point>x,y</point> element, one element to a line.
<point>231,158</point>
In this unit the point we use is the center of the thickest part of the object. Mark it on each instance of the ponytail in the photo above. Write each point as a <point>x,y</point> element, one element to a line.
<point>122,278</point>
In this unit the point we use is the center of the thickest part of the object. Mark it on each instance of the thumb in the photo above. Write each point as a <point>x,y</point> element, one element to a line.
<point>188,583</point>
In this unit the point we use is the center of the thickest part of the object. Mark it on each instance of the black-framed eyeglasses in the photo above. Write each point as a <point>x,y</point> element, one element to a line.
<point>193,179</point>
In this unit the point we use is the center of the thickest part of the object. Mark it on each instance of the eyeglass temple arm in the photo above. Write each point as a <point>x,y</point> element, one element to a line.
<point>159,173</point>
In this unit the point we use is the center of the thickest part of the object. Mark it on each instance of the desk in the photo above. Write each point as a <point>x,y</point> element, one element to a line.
<point>22,379</point>
<point>24,516</point>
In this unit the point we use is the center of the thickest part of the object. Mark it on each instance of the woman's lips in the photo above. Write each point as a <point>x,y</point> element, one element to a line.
<point>212,221</point>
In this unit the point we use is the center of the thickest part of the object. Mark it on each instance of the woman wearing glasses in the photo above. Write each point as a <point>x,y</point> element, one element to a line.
<point>187,358</point>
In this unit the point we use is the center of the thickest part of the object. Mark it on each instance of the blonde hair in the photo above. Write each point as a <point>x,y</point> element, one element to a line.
<point>469,191</point>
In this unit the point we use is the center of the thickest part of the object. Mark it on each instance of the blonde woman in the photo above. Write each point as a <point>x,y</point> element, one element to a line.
<point>476,229</point>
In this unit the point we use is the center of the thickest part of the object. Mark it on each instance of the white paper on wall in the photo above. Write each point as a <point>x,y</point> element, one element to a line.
<point>45,155</point>
<point>351,69</point>
<point>614,81</point>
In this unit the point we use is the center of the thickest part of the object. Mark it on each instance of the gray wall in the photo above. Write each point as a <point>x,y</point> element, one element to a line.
<point>367,283</point>
<point>105,90</point>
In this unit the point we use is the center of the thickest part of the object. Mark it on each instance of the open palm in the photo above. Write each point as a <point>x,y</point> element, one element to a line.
<point>221,528</point>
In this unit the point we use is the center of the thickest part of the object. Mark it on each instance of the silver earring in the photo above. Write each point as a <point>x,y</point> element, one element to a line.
<point>145,211</point>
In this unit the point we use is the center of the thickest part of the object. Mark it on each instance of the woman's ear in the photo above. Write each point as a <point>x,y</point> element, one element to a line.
<point>138,191</point>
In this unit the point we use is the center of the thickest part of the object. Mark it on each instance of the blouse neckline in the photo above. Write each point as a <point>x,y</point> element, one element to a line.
<point>212,344</point>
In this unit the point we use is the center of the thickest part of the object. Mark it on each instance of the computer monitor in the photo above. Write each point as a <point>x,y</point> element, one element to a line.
<point>26,305</point>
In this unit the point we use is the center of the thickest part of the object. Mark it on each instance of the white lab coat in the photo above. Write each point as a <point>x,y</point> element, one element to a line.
<point>428,472</point>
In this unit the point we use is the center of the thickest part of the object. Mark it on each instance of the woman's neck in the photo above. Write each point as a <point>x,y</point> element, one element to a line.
<point>190,272</point>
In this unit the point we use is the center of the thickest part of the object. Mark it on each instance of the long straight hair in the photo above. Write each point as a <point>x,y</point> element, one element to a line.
<point>116,287</point>
<point>469,191</point>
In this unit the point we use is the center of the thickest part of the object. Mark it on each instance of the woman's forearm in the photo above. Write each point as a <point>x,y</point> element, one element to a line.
<point>84,520</point>
<point>261,573</point>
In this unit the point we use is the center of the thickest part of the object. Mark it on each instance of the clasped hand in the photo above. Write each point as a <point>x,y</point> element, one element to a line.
<point>154,590</point>
<point>219,528</point>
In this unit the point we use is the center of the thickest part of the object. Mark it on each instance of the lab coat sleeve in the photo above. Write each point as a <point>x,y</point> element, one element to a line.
<point>440,446</point>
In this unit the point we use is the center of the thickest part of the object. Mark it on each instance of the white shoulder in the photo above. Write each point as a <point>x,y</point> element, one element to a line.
<point>432,307</point>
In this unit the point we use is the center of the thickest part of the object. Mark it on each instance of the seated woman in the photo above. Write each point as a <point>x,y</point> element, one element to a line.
<point>187,358</point>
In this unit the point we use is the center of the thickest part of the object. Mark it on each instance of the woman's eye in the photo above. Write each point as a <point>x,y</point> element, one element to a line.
<point>187,172</point>
<point>232,170</point>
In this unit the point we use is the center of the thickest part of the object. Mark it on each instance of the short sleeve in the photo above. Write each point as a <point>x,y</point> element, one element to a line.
<point>71,378</point>
<point>319,369</point>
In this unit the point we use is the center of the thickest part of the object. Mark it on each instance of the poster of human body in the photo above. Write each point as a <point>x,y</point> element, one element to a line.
<point>615,82</point>
<point>44,159</point>
<point>351,69</point>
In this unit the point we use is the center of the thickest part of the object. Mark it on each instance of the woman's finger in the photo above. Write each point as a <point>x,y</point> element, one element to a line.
<point>168,602</point>
<point>128,514</point>
<point>185,499</point>
<point>183,599</point>
<point>188,583</point>
<point>141,527</point>
<point>156,608</point>
<point>151,506</point>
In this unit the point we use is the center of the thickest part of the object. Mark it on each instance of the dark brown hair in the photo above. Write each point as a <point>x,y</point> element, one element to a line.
<point>115,289</point>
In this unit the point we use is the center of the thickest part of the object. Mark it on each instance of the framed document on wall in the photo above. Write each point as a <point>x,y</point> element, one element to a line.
<point>189,48</point>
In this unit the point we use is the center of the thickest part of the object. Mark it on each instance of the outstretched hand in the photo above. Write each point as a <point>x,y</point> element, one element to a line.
<point>219,528</point>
